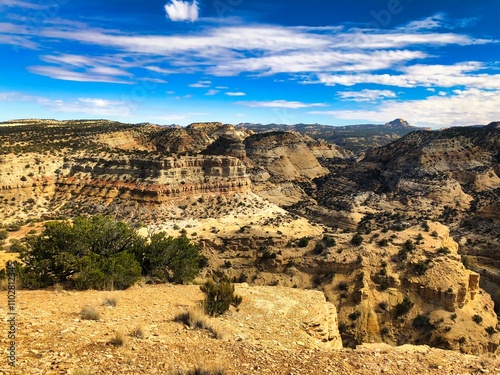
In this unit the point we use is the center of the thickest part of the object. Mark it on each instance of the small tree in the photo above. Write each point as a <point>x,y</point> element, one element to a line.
<point>171,259</point>
<point>403,307</point>
<point>219,296</point>
<point>329,241</point>
<point>303,242</point>
<point>92,252</point>
<point>357,239</point>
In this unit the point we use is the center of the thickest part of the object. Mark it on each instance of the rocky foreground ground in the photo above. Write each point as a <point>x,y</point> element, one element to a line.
<point>274,331</point>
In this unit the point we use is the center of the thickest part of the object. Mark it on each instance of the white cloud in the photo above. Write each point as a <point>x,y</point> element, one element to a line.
<point>237,93</point>
<point>366,95</point>
<point>212,92</point>
<point>153,80</point>
<point>21,4</point>
<point>325,55</point>
<point>201,84</point>
<point>261,49</point>
<point>463,74</point>
<point>429,23</point>
<point>464,107</point>
<point>66,74</point>
<point>182,10</point>
<point>316,61</point>
<point>281,104</point>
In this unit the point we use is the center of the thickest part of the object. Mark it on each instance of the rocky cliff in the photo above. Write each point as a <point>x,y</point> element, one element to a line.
<point>449,176</point>
<point>367,283</point>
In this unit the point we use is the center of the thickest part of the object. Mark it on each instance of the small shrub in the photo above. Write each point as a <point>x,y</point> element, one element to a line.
<point>343,286</point>
<point>465,261</point>
<point>303,242</point>
<point>425,226</point>
<point>267,255</point>
<point>219,296</point>
<point>478,319</point>
<point>355,315</point>
<point>111,302</point>
<point>318,249</point>
<point>420,268</point>
<point>194,318</point>
<point>462,340</point>
<point>3,234</point>
<point>403,307</point>
<point>137,332</point>
<point>357,239</point>
<point>407,247</point>
<point>89,313</point>
<point>241,279</point>
<point>434,234</point>
<point>453,316</point>
<point>384,282</point>
<point>383,242</point>
<point>198,370</point>
<point>329,241</point>
<point>443,250</point>
<point>490,330</point>
<point>423,323</point>
<point>118,339</point>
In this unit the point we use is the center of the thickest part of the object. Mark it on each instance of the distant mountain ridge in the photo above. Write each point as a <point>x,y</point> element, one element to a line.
<point>356,138</point>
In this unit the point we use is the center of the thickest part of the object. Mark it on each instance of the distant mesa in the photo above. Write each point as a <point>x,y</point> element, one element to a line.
<point>398,123</point>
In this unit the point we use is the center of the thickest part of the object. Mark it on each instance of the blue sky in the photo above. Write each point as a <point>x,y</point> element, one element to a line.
<point>434,63</point>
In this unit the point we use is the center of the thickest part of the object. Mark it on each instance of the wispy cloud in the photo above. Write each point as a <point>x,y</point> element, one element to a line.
<point>69,75</point>
<point>463,74</point>
<point>201,84</point>
<point>212,92</point>
<point>237,93</point>
<point>429,23</point>
<point>281,104</point>
<point>260,49</point>
<point>462,107</point>
<point>366,95</point>
<point>182,10</point>
<point>21,4</point>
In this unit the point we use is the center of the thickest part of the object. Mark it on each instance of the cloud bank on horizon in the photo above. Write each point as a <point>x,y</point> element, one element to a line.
<point>364,61</point>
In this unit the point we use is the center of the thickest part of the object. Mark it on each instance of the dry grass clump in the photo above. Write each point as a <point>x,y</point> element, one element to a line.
<point>89,313</point>
<point>111,302</point>
<point>137,332</point>
<point>195,318</point>
<point>198,370</point>
<point>118,339</point>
